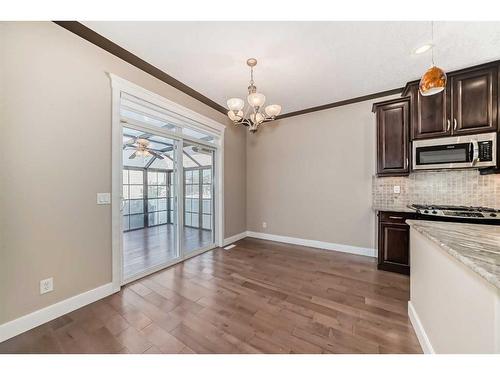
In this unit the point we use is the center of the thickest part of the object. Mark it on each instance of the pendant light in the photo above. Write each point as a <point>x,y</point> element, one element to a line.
<point>434,79</point>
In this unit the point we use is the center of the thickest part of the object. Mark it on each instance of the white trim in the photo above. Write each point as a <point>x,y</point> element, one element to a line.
<point>36,318</point>
<point>496,327</point>
<point>116,190</point>
<point>366,251</point>
<point>422,337</point>
<point>219,194</point>
<point>234,238</point>
<point>136,90</point>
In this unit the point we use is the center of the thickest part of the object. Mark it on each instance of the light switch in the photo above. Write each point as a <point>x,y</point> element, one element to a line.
<point>397,189</point>
<point>103,198</point>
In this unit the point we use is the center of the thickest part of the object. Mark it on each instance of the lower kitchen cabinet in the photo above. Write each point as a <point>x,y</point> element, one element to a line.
<point>394,241</point>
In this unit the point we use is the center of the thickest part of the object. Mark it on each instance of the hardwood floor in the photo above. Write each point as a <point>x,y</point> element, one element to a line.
<point>150,247</point>
<point>259,297</point>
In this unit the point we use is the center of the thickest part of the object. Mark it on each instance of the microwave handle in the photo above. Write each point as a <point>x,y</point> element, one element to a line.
<point>474,149</point>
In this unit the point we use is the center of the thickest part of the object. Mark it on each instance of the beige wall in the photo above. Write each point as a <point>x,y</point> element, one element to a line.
<point>310,176</point>
<point>55,155</point>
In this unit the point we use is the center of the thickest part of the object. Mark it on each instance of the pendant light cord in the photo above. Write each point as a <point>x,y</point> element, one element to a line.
<point>432,41</point>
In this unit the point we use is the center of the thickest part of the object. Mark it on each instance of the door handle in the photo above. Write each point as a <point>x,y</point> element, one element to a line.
<point>396,217</point>
<point>448,125</point>
<point>122,204</point>
<point>454,124</point>
<point>475,152</point>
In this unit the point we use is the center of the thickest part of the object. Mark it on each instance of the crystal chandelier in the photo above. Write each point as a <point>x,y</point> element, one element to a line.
<point>253,116</point>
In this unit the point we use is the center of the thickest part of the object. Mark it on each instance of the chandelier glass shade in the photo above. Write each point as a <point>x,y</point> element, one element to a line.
<point>254,115</point>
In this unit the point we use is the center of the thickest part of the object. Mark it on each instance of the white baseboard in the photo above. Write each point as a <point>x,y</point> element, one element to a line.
<point>313,243</point>
<point>424,341</point>
<point>234,238</point>
<point>39,317</point>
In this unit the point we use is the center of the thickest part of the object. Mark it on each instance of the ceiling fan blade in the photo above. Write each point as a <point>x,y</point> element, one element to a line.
<point>132,156</point>
<point>157,154</point>
<point>130,142</point>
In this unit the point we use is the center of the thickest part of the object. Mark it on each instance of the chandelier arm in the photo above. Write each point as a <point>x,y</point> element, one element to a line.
<point>247,111</point>
<point>245,122</point>
<point>268,118</point>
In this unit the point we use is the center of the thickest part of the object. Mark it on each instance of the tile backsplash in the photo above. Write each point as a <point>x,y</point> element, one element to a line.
<point>464,187</point>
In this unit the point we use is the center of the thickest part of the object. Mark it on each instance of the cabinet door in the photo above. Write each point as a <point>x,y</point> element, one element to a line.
<point>429,114</point>
<point>474,101</point>
<point>394,247</point>
<point>392,139</point>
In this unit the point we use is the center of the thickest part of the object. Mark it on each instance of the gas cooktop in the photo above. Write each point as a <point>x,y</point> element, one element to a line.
<point>464,212</point>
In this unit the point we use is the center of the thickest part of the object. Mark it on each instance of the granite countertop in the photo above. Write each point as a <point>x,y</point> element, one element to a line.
<point>392,208</point>
<point>476,246</point>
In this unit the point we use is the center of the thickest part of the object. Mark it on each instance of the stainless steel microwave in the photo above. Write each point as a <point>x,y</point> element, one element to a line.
<point>469,151</point>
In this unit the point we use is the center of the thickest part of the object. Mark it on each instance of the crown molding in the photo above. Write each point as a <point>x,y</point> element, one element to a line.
<point>120,52</point>
<point>341,103</point>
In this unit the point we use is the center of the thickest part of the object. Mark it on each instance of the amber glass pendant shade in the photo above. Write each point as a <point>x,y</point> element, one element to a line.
<point>433,81</point>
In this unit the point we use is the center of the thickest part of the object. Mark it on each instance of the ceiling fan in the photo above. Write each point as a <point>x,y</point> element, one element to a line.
<point>141,147</point>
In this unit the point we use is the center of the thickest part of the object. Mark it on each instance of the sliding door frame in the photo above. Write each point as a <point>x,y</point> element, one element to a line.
<point>188,119</point>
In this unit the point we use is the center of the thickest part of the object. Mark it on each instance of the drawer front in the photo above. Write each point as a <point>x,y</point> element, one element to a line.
<point>395,217</point>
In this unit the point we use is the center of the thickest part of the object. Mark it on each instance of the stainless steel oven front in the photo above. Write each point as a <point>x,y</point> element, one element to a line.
<point>469,151</point>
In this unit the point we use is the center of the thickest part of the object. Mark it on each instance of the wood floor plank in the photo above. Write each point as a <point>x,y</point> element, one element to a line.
<point>259,297</point>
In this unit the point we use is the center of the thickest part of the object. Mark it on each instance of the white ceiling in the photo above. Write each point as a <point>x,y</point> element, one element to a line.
<point>302,64</point>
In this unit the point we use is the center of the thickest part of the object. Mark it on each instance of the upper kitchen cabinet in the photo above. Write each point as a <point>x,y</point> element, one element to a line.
<point>468,105</point>
<point>429,114</point>
<point>392,137</point>
<point>474,100</point>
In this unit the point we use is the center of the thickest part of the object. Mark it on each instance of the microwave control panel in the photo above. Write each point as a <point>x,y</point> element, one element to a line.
<point>485,151</point>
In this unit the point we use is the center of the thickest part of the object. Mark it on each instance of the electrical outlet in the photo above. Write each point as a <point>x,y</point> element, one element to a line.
<point>264,225</point>
<point>47,285</point>
<point>397,189</point>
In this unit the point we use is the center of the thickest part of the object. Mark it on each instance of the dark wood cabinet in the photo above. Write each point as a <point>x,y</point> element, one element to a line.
<point>468,105</point>
<point>429,114</point>
<point>474,101</point>
<point>392,137</point>
<point>394,242</point>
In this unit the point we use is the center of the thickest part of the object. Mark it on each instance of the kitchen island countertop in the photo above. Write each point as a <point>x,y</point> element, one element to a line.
<point>476,246</point>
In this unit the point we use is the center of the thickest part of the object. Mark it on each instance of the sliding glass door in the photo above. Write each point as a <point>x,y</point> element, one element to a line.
<point>168,210</point>
<point>149,211</point>
<point>198,165</point>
